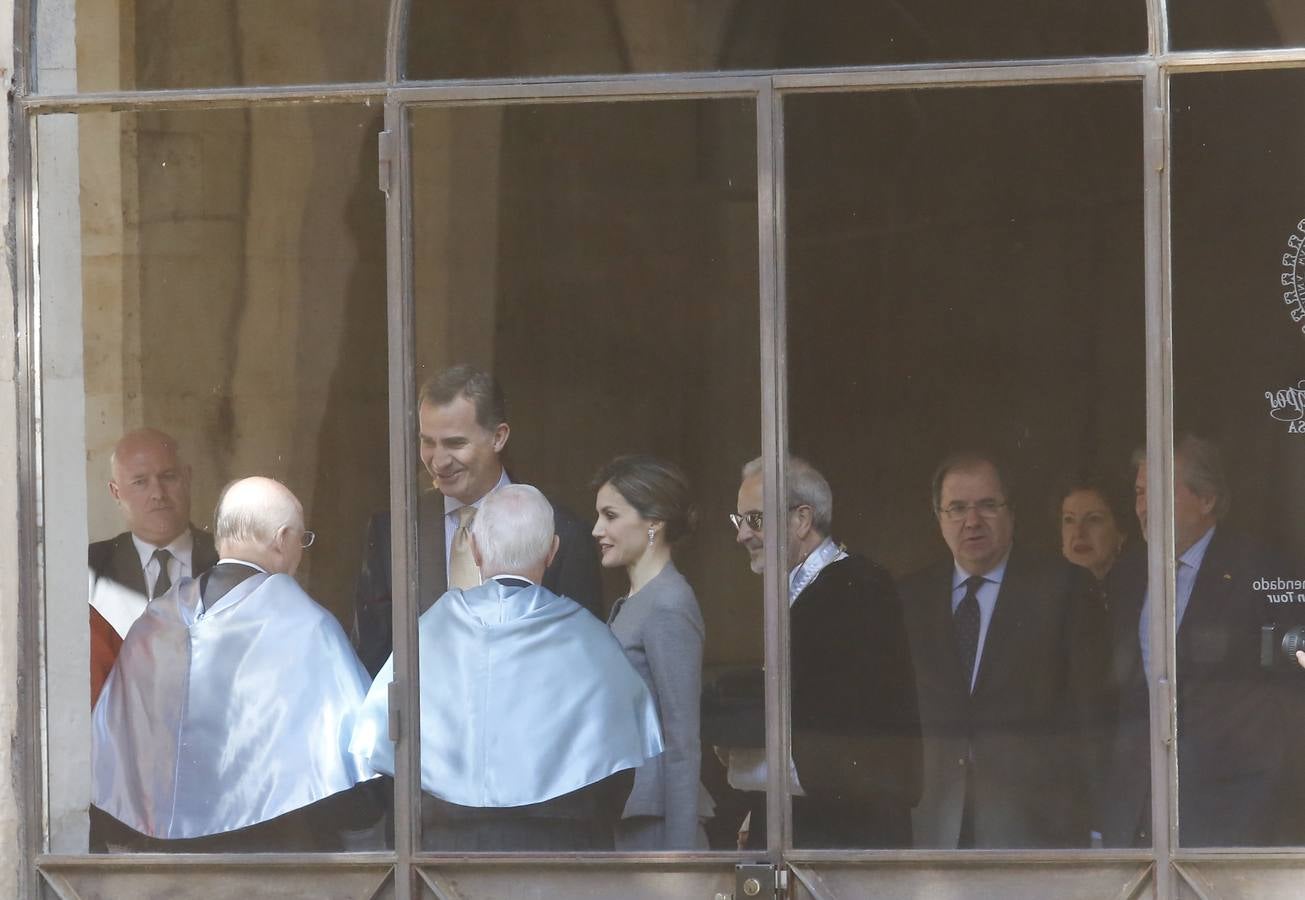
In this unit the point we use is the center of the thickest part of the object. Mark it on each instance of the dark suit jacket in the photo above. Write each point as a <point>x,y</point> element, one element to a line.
<point>116,559</point>
<point>855,721</point>
<point>1031,732</point>
<point>1237,721</point>
<point>574,573</point>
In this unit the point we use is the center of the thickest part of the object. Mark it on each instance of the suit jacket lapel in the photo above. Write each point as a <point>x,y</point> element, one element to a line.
<point>1209,591</point>
<point>202,558</point>
<point>434,578</point>
<point>126,568</point>
<point>950,663</point>
<point>1012,593</point>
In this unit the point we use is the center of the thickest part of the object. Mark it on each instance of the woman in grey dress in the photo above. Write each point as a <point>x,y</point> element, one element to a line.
<point>643,508</point>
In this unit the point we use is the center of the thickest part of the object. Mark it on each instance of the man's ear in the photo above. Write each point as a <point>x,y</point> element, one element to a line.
<point>501,432</point>
<point>279,541</point>
<point>802,521</point>
<point>475,549</point>
<point>552,551</point>
<point>113,490</point>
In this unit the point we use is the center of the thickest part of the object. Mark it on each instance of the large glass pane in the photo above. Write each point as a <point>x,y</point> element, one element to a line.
<point>1234,24</point>
<point>965,337</point>
<point>1238,205</point>
<point>119,45</point>
<point>598,264</point>
<point>505,39</point>
<point>213,307</point>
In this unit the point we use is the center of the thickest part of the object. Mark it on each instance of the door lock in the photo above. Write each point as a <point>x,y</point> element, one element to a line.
<point>756,882</point>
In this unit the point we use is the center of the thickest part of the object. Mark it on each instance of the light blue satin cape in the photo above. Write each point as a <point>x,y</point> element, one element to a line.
<point>214,720</point>
<point>525,696</point>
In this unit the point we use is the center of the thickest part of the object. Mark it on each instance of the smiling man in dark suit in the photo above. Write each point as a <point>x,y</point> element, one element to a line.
<point>1237,720</point>
<point>150,483</point>
<point>464,430</point>
<point>1009,674</point>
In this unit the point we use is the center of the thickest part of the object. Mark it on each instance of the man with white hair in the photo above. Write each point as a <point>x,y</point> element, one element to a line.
<point>225,724</point>
<point>531,717</point>
<point>855,770</point>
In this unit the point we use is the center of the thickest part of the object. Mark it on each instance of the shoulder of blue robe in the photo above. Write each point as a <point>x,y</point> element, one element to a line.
<point>217,719</point>
<point>524,697</point>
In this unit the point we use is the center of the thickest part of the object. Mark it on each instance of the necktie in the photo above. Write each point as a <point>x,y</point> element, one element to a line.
<point>462,567</point>
<point>965,624</point>
<point>164,581</point>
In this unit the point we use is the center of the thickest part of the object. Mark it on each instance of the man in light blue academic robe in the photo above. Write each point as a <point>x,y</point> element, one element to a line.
<point>225,722</point>
<point>532,719</point>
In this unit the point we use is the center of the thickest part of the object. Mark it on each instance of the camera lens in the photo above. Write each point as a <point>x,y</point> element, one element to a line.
<point>1293,640</point>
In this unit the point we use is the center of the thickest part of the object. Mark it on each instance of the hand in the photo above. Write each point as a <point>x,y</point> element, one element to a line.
<point>1300,658</point>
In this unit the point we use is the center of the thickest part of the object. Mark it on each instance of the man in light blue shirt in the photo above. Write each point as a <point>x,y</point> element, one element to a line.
<point>1236,719</point>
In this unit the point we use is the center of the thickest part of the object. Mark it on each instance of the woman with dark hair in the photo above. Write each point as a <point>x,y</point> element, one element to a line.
<point>1091,534</point>
<point>644,507</point>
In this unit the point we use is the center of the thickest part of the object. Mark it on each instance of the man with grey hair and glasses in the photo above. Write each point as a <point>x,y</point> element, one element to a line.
<point>532,718</point>
<point>1010,667</point>
<point>224,725</point>
<point>1238,720</point>
<point>855,770</point>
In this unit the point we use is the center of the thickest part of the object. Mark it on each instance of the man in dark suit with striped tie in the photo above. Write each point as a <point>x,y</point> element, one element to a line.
<point>1010,670</point>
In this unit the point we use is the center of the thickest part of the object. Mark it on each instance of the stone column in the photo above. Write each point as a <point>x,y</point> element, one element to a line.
<point>11,810</point>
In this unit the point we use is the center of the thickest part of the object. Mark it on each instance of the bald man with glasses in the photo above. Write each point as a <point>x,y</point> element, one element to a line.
<point>1010,674</point>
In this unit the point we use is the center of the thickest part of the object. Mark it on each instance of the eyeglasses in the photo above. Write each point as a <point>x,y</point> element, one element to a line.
<point>752,518</point>
<point>987,509</point>
<point>307,540</point>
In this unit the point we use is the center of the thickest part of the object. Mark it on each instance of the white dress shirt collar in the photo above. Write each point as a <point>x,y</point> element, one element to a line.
<point>995,574</point>
<point>182,549</point>
<point>243,562</point>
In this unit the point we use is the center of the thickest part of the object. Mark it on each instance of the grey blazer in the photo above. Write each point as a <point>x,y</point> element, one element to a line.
<point>660,628</point>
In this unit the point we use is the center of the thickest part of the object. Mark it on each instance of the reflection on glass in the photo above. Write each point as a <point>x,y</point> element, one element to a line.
<point>156,44</point>
<point>503,39</point>
<point>1231,24</point>
<point>586,288</point>
<point>1238,531</point>
<point>965,337</point>
<point>225,332</point>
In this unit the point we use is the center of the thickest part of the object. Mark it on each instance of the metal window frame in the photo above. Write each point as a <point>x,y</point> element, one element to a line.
<point>1152,70</point>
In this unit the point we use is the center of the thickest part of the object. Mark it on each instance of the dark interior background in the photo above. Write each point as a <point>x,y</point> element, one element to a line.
<point>965,270</point>
<point>1238,198</point>
<point>502,38</point>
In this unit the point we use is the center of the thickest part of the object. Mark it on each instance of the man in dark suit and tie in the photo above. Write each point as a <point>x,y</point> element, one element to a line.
<point>151,486</point>
<point>464,429</point>
<point>1010,678</point>
<point>1238,721</point>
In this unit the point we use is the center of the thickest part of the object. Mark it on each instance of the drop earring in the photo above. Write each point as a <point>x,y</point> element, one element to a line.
<point>652,535</point>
